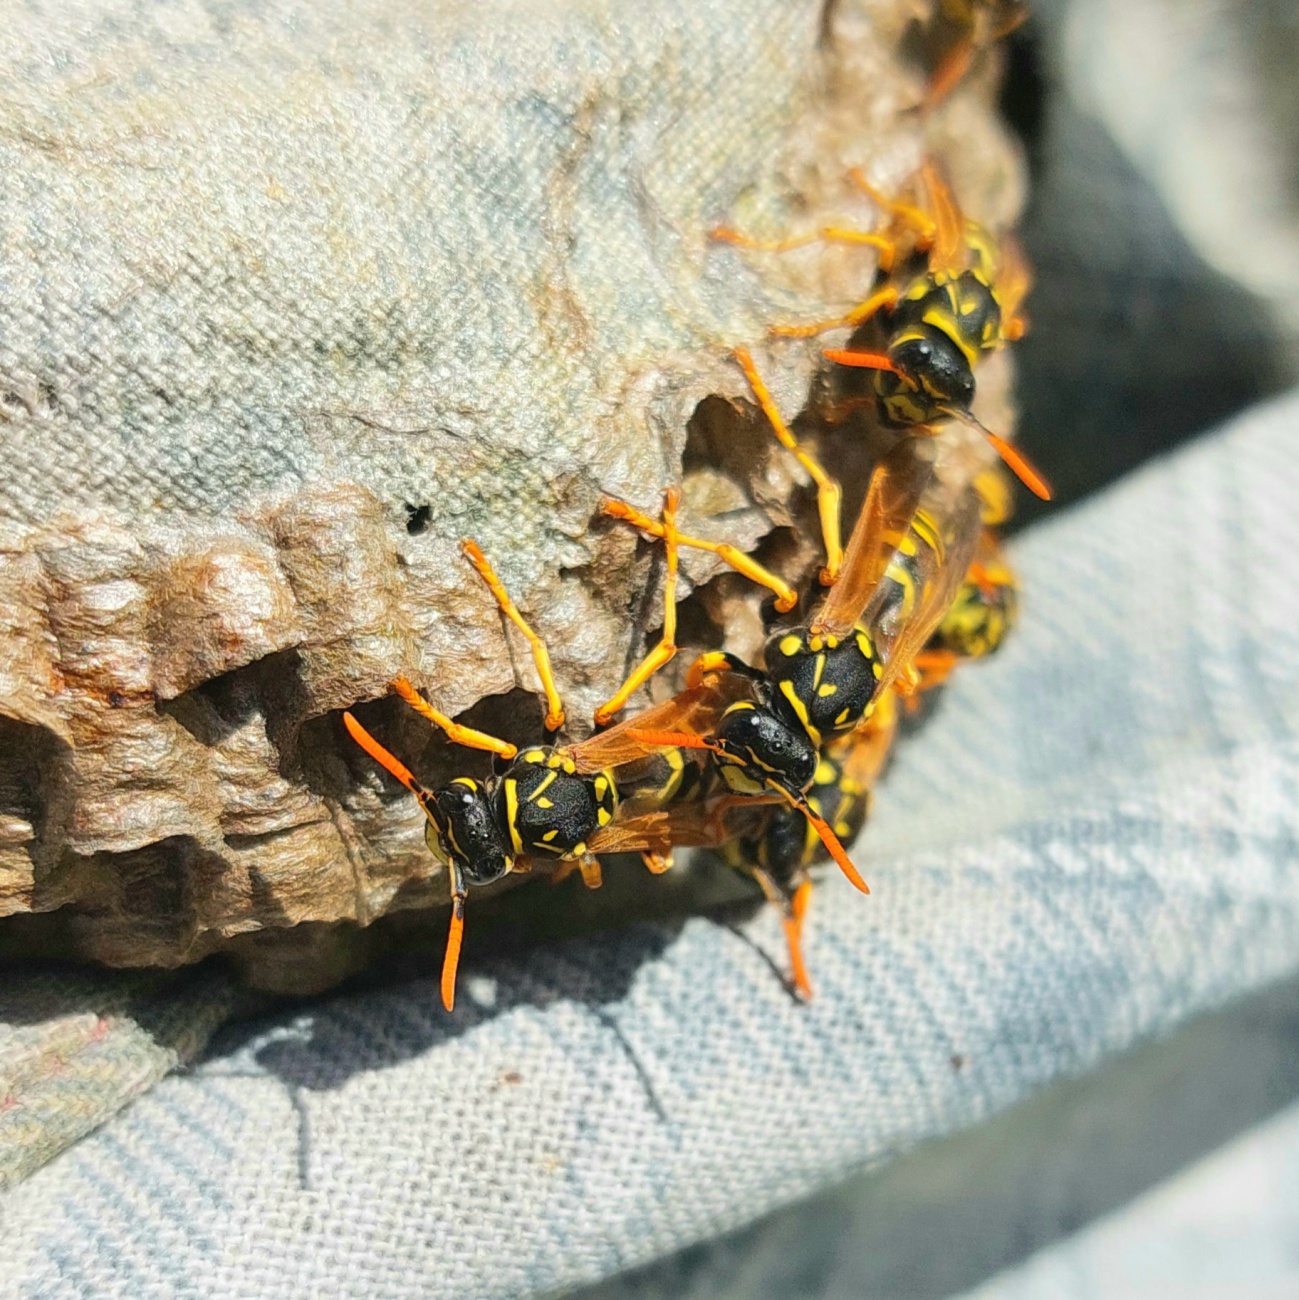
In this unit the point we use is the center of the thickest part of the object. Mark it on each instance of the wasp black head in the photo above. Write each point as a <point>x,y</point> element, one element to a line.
<point>933,374</point>
<point>759,748</point>
<point>826,682</point>
<point>463,832</point>
<point>549,807</point>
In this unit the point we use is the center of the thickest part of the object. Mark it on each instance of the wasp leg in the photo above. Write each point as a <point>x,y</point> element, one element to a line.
<point>658,863</point>
<point>793,908</point>
<point>589,865</point>
<point>717,661</point>
<point>828,494</point>
<point>455,937</point>
<point>934,667</point>
<point>466,736</point>
<point>540,655</point>
<point>917,218</point>
<point>826,235</point>
<point>663,653</point>
<point>881,300</point>
<point>786,596</point>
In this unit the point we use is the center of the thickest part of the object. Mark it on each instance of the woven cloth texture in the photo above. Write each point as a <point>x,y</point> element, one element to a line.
<point>1094,838</point>
<point>252,246</point>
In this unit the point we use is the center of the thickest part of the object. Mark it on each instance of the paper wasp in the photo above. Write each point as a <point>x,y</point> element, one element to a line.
<point>947,295</point>
<point>568,803</point>
<point>779,847</point>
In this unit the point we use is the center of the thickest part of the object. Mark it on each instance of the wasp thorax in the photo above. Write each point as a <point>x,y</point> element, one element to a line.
<point>758,748</point>
<point>828,683</point>
<point>549,807</point>
<point>463,832</point>
<point>933,374</point>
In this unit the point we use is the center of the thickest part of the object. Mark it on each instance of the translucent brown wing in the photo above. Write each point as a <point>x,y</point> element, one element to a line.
<point>896,487</point>
<point>949,254</point>
<point>687,825</point>
<point>696,710</point>
<point>871,742</point>
<point>938,573</point>
<point>1014,280</point>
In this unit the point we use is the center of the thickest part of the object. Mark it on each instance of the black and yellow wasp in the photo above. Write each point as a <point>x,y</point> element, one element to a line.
<point>947,295</point>
<point>567,803</point>
<point>776,847</point>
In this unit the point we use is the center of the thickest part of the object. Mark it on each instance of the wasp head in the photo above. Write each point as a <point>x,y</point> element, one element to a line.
<point>932,374</point>
<point>462,832</point>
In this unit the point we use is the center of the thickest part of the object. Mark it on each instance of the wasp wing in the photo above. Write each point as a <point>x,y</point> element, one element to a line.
<point>949,254</point>
<point>696,710</point>
<point>937,570</point>
<point>894,495</point>
<point>1013,281</point>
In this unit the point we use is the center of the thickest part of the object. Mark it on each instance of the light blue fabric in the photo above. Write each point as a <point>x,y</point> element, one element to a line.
<point>1095,837</point>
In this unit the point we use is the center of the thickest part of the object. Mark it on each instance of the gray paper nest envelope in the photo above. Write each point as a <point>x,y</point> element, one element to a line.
<point>1095,838</point>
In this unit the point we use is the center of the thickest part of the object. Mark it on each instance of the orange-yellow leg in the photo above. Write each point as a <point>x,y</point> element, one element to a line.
<point>919,220</point>
<point>658,863</point>
<point>828,494</point>
<point>540,655</point>
<point>588,865</point>
<point>466,736</point>
<point>786,596</point>
<point>793,909</point>
<point>882,299</point>
<point>935,667</point>
<point>663,653</point>
<point>826,235</point>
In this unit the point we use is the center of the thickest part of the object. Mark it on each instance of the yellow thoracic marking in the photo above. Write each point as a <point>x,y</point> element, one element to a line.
<point>865,645</point>
<point>542,786</point>
<point>827,690</point>
<point>675,759</point>
<point>790,645</point>
<point>550,835</point>
<point>818,671</point>
<point>541,803</point>
<point>843,716</point>
<point>601,784</point>
<point>579,850</point>
<point>535,756</point>
<point>787,690</point>
<point>512,813</point>
<point>603,816</point>
<point>878,669</point>
<point>468,782</point>
<point>740,706</point>
<point>825,773</point>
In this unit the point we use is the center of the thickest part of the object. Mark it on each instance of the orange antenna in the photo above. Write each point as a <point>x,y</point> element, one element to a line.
<point>794,938</point>
<point>389,762</point>
<point>829,839</point>
<point>1018,464</point>
<point>861,360</point>
<point>677,739</point>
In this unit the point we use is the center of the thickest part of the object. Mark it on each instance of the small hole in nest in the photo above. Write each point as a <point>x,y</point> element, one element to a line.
<point>419,518</point>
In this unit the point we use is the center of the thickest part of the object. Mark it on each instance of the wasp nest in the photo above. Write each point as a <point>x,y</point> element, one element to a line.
<point>294,303</point>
